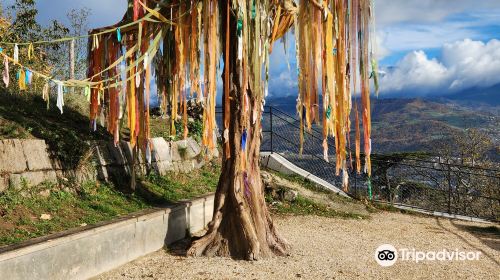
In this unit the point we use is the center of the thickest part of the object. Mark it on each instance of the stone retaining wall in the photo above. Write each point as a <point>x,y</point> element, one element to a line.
<point>25,161</point>
<point>29,162</point>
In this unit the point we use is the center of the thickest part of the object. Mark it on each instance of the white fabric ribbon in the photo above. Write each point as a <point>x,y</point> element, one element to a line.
<point>146,60</point>
<point>226,135</point>
<point>16,54</point>
<point>60,96</point>
<point>6,77</point>
<point>240,48</point>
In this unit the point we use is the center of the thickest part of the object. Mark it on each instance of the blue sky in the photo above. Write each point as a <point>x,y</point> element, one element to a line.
<point>425,47</point>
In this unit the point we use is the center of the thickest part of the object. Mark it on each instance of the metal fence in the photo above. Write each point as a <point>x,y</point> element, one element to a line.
<point>428,183</point>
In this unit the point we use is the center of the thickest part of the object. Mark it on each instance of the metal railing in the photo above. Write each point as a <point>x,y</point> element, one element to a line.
<point>424,182</point>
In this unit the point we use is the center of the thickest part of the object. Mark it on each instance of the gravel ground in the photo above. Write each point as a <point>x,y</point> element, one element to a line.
<point>325,248</point>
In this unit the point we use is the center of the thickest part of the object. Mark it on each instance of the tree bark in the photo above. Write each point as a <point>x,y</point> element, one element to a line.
<point>242,226</point>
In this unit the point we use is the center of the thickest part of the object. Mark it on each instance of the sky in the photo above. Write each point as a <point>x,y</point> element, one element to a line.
<point>425,47</point>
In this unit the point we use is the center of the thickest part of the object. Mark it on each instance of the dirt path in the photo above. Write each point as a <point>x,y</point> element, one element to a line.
<point>325,248</point>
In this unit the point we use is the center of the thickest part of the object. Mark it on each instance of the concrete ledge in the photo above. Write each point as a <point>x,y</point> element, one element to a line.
<point>90,251</point>
<point>435,213</point>
<point>278,163</point>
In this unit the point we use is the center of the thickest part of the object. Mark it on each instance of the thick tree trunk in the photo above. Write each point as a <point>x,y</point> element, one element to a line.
<point>242,226</point>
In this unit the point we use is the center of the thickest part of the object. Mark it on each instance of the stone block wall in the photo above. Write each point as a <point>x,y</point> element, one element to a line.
<point>179,157</point>
<point>29,161</point>
<point>25,161</point>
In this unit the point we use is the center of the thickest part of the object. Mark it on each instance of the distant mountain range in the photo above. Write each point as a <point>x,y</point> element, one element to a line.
<point>485,98</point>
<point>416,124</point>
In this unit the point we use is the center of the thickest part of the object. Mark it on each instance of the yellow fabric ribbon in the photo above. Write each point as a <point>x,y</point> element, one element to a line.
<point>31,50</point>
<point>131,105</point>
<point>95,42</point>
<point>22,80</point>
<point>156,14</point>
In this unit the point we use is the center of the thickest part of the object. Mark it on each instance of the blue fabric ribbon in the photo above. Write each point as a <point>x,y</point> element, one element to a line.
<point>254,11</point>
<point>119,34</point>
<point>27,77</point>
<point>239,27</point>
<point>244,140</point>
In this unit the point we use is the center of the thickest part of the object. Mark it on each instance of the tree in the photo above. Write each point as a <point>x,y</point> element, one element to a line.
<point>25,28</point>
<point>468,176</point>
<point>242,226</point>
<point>78,19</point>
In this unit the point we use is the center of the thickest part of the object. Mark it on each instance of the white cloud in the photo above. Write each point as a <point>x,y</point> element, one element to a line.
<point>413,72</point>
<point>381,50</point>
<point>284,84</point>
<point>414,37</point>
<point>421,24</point>
<point>464,64</point>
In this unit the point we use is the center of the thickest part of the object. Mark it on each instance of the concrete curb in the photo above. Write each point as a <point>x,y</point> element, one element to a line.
<point>90,251</point>
<point>278,163</point>
<point>436,213</point>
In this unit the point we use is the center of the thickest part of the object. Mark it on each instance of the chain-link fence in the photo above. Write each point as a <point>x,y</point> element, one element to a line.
<point>427,183</point>
<point>437,185</point>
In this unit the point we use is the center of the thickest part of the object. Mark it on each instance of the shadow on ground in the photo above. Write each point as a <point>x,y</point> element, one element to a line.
<point>488,235</point>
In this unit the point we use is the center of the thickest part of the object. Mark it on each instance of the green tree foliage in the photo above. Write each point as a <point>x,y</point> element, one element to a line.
<point>22,26</point>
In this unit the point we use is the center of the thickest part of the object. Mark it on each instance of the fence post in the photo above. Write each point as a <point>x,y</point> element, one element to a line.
<point>449,189</point>
<point>72,62</point>
<point>271,126</point>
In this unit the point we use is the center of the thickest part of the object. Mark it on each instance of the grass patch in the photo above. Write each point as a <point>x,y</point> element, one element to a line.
<point>383,207</point>
<point>160,127</point>
<point>316,200</point>
<point>375,207</point>
<point>91,203</point>
<point>304,206</point>
<point>304,182</point>
<point>20,211</point>
<point>176,187</point>
<point>308,184</point>
<point>12,130</point>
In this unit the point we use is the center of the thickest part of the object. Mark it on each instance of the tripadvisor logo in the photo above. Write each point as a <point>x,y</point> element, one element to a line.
<point>387,255</point>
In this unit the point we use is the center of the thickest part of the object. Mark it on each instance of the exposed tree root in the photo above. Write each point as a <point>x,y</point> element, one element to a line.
<point>239,229</point>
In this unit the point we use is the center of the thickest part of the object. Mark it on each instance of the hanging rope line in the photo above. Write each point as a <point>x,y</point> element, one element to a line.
<point>148,17</point>
<point>87,82</point>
